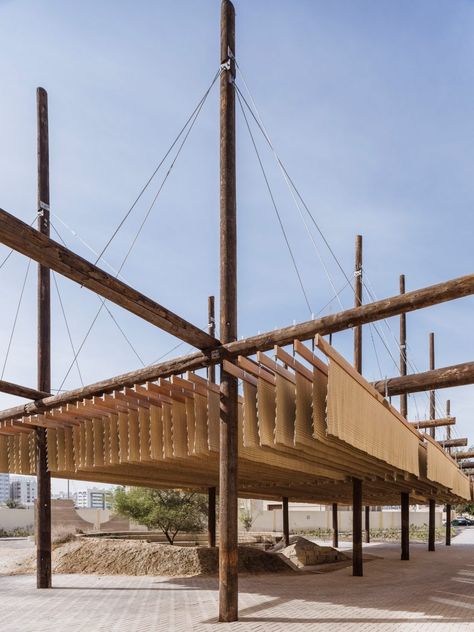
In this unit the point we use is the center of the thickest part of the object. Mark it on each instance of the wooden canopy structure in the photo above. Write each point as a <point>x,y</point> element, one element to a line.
<point>300,428</point>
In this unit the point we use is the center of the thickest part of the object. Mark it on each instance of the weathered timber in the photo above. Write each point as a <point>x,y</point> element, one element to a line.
<point>467,465</point>
<point>40,247</point>
<point>335,526</point>
<point>358,302</point>
<point>448,414</point>
<point>21,391</point>
<point>456,375</point>
<point>432,392</point>
<point>454,443</point>
<point>228,479</point>
<point>286,521</point>
<point>445,377</point>
<point>405,520</point>
<point>211,329</point>
<point>357,564</point>
<point>367,524</point>
<point>434,423</point>
<point>448,525</point>
<point>211,516</point>
<point>431,525</point>
<point>464,455</point>
<point>403,351</point>
<point>43,502</point>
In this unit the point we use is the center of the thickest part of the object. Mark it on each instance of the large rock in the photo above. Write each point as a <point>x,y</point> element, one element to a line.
<point>303,552</point>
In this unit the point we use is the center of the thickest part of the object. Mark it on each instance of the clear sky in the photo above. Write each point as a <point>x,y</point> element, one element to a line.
<point>369,104</point>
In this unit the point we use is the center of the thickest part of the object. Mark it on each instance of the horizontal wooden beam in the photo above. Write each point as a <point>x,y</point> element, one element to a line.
<point>370,312</point>
<point>463,455</point>
<point>467,465</point>
<point>17,235</point>
<point>434,423</point>
<point>456,375</point>
<point>453,443</point>
<point>21,391</point>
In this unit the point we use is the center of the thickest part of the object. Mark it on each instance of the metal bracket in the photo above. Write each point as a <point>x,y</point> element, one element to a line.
<point>215,354</point>
<point>358,273</point>
<point>225,65</point>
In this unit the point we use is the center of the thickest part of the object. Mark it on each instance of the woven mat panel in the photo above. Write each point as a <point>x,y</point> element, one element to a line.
<point>266,408</point>
<point>191,425</point>
<point>320,392</point>
<point>251,437</point>
<point>285,411</point>
<point>356,417</point>
<point>213,412</point>
<point>442,469</point>
<point>304,411</point>
<point>201,443</point>
<point>180,434</point>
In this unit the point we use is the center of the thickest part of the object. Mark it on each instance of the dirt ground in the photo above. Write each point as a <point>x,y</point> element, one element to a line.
<point>131,557</point>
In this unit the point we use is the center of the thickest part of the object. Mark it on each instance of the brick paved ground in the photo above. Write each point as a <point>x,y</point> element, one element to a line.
<point>434,592</point>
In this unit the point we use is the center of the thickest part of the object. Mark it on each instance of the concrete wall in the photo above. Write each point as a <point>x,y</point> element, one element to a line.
<point>16,518</point>
<point>306,520</point>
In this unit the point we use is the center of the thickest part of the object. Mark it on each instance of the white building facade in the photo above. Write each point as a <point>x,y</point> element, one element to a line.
<point>4,488</point>
<point>93,498</point>
<point>23,489</point>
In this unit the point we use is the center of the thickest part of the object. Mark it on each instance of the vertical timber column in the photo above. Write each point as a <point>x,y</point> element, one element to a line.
<point>431,525</point>
<point>335,527</point>
<point>448,428</point>
<point>43,503</point>
<point>211,492</point>
<point>448,525</point>
<point>286,521</point>
<point>405,503</point>
<point>367,524</point>
<point>432,393</point>
<point>228,481</point>
<point>357,569</point>
<point>403,351</point>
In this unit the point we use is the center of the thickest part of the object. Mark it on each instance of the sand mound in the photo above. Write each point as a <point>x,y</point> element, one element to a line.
<point>303,552</point>
<point>119,557</point>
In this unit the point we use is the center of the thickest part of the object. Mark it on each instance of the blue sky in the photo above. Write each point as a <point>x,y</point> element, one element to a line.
<point>369,104</point>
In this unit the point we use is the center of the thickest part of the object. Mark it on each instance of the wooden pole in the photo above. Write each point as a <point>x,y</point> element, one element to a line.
<point>286,521</point>
<point>357,303</point>
<point>357,566</point>
<point>228,477</point>
<point>43,503</point>
<point>405,502</point>
<point>211,376</point>
<point>367,524</point>
<point>403,351</point>
<point>431,525</point>
<point>21,391</point>
<point>454,443</point>
<point>335,527</point>
<point>434,423</point>
<point>448,429</point>
<point>445,377</point>
<point>448,525</point>
<point>211,516</point>
<point>432,393</point>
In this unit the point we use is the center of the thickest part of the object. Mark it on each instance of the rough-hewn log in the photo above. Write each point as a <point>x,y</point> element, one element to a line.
<point>17,235</point>
<point>455,375</point>
<point>370,312</point>
<point>405,520</point>
<point>467,465</point>
<point>464,455</point>
<point>431,525</point>
<point>21,391</point>
<point>434,423</point>
<point>453,443</point>
<point>357,561</point>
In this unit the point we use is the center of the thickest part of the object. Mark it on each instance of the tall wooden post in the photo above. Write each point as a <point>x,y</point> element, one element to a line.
<point>367,524</point>
<point>43,502</point>
<point>405,502</point>
<point>211,376</point>
<point>403,351</point>
<point>286,521</point>
<point>432,393</point>
<point>448,428</point>
<point>448,525</point>
<point>335,527</point>
<point>431,525</point>
<point>228,481</point>
<point>357,569</point>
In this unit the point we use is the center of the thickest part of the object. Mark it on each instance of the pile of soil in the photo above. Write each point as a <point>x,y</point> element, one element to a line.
<point>303,553</point>
<point>132,557</point>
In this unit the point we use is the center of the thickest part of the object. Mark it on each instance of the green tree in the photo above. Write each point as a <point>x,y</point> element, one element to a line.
<point>169,510</point>
<point>13,504</point>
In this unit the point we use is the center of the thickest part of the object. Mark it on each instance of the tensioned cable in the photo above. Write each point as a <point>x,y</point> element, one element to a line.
<point>67,326</point>
<point>15,320</point>
<point>275,207</point>
<point>148,182</point>
<point>186,136</point>
<point>103,301</point>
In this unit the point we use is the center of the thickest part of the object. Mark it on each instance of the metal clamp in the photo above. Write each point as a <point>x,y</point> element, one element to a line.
<point>215,354</point>
<point>225,65</point>
<point>358,273</point>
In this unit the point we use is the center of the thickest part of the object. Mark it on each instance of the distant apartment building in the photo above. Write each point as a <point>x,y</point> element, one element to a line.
<point>4,488</point>
<point>23,490</point>
<point>93,498</point>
